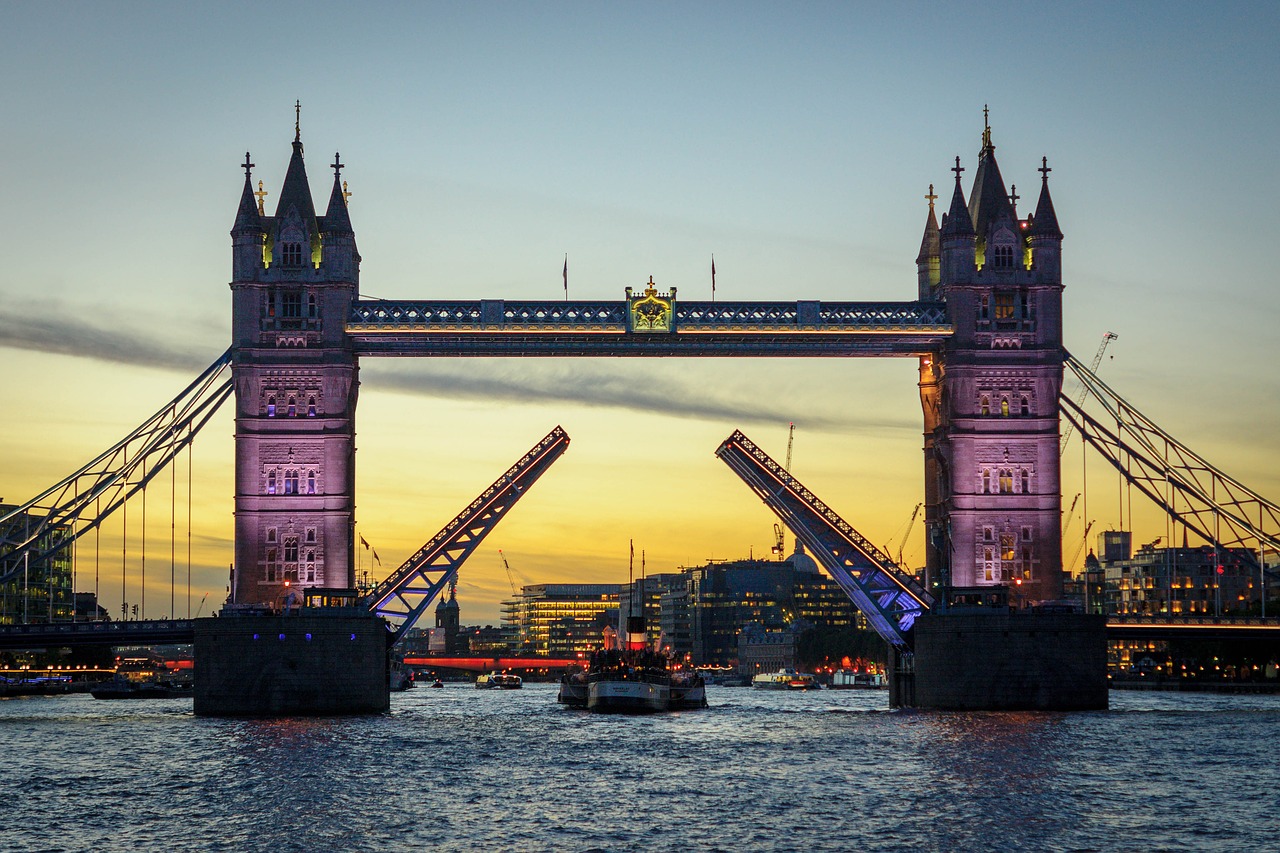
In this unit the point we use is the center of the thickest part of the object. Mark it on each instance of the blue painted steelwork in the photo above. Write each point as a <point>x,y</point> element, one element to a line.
<point>889,597</point>
<point>404,596</point>
<point>493,327</point>
<point>80,502</point>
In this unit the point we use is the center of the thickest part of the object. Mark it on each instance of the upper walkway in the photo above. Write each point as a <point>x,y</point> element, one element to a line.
<point>496,327</point>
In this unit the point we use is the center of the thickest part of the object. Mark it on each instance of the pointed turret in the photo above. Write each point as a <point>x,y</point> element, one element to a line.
<point>295,195</point>
<point>1045,222</point>
<point>989,201</point>
<point>247,214</point>
<point>927,262</point>
<point>957,237</point>
<point>248,231</point>
<point>341,258</point>
<point>1044,235</point>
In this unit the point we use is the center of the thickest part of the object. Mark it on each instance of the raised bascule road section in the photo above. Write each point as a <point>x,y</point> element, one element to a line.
<point>984,326</point>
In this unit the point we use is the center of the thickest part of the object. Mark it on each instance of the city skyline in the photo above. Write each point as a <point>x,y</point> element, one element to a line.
<point>797,147</point>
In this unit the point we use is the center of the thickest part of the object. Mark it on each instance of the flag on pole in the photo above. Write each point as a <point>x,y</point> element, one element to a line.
<point>376,557</point>
<point>364,543</point>
<point>566,278</point>
<point>713,278</point>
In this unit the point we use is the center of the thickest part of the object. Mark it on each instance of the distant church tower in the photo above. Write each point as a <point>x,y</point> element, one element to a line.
<point>294,277</point>
<point>990,395</point>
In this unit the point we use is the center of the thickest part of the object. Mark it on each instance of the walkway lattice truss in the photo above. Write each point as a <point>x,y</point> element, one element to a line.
<point>80,502</point>
<point>404,596</point>
<point>889,597</point>
<point>1215,506</point>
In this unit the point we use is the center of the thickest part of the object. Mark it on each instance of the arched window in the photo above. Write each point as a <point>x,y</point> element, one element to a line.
<point>311,305</point>
<point>1025,406</point>
<point>1002,258</point>
<point>1026,481</point>
<point>1006,482</point>
<point>1026,562</point>
<point>311,407</point>
<point>1004,407</point>
<point>293,407</point>
<point>291,254</point>
<point>986,406</point>
<point>290,482</point>
<point>986,482</point>
<point>311,556</point>
<point>271,482</point>
<point>271,407</point>
<point>291,549</point>
<point>311,482</point>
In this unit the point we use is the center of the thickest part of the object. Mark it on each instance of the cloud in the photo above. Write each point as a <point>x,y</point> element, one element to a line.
<point>52,328</point>
<point>720,396</point>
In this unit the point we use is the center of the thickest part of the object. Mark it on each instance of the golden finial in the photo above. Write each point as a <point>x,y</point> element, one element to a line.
<point>931,197</point>
<point>261,194</point>
<point>986,128</point>
<point>345,195</point>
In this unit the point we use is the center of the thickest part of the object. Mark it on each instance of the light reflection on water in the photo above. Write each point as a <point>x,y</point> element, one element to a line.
<point>462,769</point>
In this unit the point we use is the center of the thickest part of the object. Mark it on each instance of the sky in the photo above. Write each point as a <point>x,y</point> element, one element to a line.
<point>485,142</point>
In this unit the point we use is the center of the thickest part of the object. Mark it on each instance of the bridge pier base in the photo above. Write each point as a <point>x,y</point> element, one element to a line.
<point>1003,661</point>
<point>291,665</point>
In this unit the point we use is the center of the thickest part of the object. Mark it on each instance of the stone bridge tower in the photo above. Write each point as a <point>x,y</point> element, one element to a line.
<point>990,395</point>
<point>294,277</point>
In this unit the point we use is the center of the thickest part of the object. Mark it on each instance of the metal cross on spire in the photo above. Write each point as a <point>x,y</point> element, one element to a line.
<point>336,165</point>
<point>1044,169</point>
<point>297,121</point>
<point>246,165</point>
<point>261,194</point>
<point>957,168</point>
<point>931,197</point>
<point>1013,195</point>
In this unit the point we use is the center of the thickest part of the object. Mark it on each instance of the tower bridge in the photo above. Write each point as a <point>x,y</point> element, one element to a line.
<point>985,327</point>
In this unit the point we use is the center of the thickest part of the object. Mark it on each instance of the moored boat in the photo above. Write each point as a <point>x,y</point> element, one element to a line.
<point>784,679</point>
<point>125,688</point>
<point>845,679</point>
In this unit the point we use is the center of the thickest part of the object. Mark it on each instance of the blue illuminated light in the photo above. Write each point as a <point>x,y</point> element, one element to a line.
<point>308,638</point>
<point>353,636</point>
<point>282,637</point>
<point>255,636</point>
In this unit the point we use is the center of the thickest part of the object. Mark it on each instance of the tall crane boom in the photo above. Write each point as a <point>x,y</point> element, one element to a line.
<point>510,577</point>
<point>1107,338</point>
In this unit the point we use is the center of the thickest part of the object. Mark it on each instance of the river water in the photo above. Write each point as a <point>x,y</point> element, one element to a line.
<point>465,769</point>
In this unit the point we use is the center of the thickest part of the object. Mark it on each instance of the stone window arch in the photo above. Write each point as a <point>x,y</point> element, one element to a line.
<point>1024,406</point>
<point>291,482</point>
<point>293,407</point>
<point>1026,481</point>
<point>1006,481</point>
<point>1004,407</point>
<point>986,405</point>
<point>986,482</point>
<point>271,406</point>
<point>311,407</point>
<point>311,482</point>
<point>271,482</point>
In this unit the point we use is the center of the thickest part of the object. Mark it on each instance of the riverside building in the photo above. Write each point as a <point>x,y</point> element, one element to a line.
<point>561,620</point>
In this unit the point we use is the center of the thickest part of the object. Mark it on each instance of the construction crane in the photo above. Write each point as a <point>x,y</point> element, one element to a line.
<point>902,543</point>
<point>791,438</point>
<point>510,577</point>
<point>778,545</point>
<point>1071,514</point>
<point>1084,537</point>
<point>1107,338</point>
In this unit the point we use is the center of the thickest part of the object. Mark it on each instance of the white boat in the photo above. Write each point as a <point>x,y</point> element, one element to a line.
<point>784,679</point>
<point>851,679</point>
<point>499,680</point>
